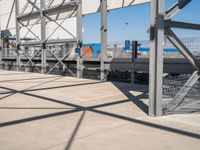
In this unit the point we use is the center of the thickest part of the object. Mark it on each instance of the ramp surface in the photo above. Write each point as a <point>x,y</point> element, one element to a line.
<point>48,112</point>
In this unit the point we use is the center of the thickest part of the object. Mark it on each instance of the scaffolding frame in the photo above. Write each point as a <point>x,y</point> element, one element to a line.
<point>161,27</point>
<point>42,17</point>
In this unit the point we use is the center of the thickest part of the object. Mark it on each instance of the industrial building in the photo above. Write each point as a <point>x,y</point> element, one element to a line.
<point>58,92</point>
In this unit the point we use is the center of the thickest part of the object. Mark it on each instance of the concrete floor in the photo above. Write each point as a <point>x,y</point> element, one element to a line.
<point>48,112</point>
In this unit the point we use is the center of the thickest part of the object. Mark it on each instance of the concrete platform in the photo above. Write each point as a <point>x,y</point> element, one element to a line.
<point>48,112</point>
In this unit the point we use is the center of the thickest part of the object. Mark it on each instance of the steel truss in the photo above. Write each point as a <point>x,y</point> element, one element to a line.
<point>41,15</point>
<point>161,25</point>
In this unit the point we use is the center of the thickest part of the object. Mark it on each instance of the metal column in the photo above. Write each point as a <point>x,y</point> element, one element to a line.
<point>103,37</point>
<point>43,37</point>
<point>17,35</point>
<point>156,57</point>
<point>1,45</point>
<point>79,39</point>
<point>134,56</point>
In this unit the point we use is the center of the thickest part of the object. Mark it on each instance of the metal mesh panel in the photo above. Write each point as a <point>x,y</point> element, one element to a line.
<point>171,86</point>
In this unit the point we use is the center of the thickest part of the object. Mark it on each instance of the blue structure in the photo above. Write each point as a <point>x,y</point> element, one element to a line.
<point>127,45</point>
<point>96,48</point>
<point>146,49</point>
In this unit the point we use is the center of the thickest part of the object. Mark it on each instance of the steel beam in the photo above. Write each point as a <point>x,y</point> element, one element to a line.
<point>49,11</point>
<point>183,3</point>
<point>59,25</point>
<point>1,44</point>
<point>181,25</point>
<point>10,14</point>
<point>178,99</point>
<point>57,41</point>
<point>182,48</point>
<point>28,29</point>
<point>43,36</point>
<point>79,39</point>
<point>33,4</point>
<point>176,8</point>
<point>103,37</point>
<point>17,35</point>
<point>60,61</point>
<point>172,11</point>
<point>156,57</point>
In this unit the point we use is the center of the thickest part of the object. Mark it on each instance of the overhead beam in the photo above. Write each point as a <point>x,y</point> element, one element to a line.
<point>181,25</point>
<point>182,48</point>
<point>33,4</point>
<point>10,14</point>
<point>57,41</point>
<point>68,6</point>
<point>183,3</point>
<point>172,11</point>
<point>176,8</point>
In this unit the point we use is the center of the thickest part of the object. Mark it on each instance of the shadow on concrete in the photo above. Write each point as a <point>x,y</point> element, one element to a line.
<point>126,88</point>
<point>17,80</point>
<point>8,74</point>
<point>35,108</point>
<point>75,131</point>
<point>95,109</point>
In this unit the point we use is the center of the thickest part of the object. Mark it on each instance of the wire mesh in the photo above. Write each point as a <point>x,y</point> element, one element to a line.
<point>172,84</point>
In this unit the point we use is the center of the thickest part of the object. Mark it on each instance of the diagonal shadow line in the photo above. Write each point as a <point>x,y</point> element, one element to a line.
<point>44,98</point>
<point>15,122</point>
<point>135,99</point>
<point>80,108</point>
<point>153,125</point>
<point>64,86</point>
<point>44,83</point>
<point>48,88</point>
<point>53,100</point>
<point>13,93</point>
<point>109,104</point>
<point>50,115</point>
<point>74,105</point>
<point>25,79</point>
<point>51,108</point>
<point>161,127</point>
<point>11,90</point>
<point>13,73</point>
<point>140,104</point>
<point>71,104</point>
<point>70,142</point>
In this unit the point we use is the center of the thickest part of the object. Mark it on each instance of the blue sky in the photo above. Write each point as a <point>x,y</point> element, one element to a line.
<point>138,18</point>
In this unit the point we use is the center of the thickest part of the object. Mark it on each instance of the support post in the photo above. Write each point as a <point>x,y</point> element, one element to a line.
<point>1,45</point>
<point>79,39</point>
<point>134,56</point>
<point>156,57</point>
<point>17,35</point>
<point>43,37</point>
<point>103,37</point>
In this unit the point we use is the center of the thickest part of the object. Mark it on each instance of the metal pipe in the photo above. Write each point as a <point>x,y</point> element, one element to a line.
<point>79,39</point>
<point>103,37</point>
<point>43,36</point>
<point>17,35</point>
